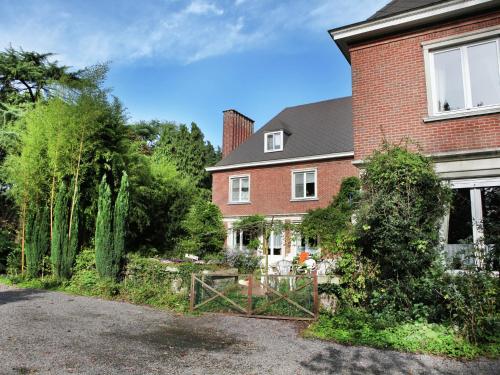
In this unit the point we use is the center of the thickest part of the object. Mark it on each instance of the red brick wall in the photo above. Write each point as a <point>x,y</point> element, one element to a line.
<point>390,100</point>
<point>236,130</point>
<point>270,187</point>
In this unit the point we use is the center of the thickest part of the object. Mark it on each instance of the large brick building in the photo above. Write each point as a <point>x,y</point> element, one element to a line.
<point>427,71</point>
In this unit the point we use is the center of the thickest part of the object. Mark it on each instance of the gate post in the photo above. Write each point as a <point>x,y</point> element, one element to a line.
<point>249,295</point>
<point>315,294</point>
<point>192,294</point>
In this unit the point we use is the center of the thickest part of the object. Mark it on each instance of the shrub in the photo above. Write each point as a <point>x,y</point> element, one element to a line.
<point>85,277</point>
<point>206,232</point>
<point>359,327</point>
<point>472,300</point>
<point>245,262</point>
<point>6,247</point>
<point>401,211</point>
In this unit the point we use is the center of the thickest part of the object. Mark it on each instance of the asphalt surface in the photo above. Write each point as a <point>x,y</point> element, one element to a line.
<point>55,333</point>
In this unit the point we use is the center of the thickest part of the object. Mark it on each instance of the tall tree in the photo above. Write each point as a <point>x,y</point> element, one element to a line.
<point>37,240</point>
<point>28,76</point>
<point>103,235</point>
<point>119,224</point>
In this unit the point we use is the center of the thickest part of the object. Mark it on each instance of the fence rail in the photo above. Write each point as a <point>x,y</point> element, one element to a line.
<point>293,296</point>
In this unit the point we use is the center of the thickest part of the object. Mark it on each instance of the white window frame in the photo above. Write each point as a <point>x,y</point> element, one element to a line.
<point>280,133</point>
<point>461,42</point>
<point>230,191</point>
<point>294,196</point>
<point>474,184</point>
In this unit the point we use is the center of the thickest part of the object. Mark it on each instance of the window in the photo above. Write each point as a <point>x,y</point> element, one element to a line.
<point>304,184</point>
<point>474,217</point>
<point>275,243</point>
<point>464,77</point>
<point>239,189</point>
<point>273,141</point>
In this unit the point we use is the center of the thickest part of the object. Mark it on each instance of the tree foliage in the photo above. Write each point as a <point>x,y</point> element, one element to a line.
<point>404,202</point>
<point>103,232</point>
<point>120,224</point>
<point>37,240</point>
<point>205,231</point>
<point>27,76</point>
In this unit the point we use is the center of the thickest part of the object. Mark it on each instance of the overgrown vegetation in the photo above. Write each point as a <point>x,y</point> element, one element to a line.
<point>391,282</point>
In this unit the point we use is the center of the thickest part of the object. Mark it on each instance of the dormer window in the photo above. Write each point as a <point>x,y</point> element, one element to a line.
<point>273,141</point>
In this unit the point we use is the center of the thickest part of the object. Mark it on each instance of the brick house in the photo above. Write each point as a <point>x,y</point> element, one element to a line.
<point>424,70</point>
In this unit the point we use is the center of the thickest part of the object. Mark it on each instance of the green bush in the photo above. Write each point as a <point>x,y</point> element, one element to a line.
<point>359,327</point>
<point>6,247</point>
<point>402,207</point>
<point>204,227</point>
<point>472,299</point>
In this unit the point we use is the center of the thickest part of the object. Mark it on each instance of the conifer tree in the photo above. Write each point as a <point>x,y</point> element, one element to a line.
<point>103,250</point>
<point>37,240</point>
<point>119,224</point>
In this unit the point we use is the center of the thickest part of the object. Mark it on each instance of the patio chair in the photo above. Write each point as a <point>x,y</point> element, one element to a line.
<point>284,267</point>
<point>271,271</point>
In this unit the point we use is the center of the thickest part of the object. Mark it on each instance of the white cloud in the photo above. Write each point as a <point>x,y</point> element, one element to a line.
<point>167,29</point>
<point>202,7</point>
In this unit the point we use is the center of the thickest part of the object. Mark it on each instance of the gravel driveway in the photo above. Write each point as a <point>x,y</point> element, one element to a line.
<point>55,333</point>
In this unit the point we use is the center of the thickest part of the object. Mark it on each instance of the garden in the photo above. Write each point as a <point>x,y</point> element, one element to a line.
<point>92,204</point>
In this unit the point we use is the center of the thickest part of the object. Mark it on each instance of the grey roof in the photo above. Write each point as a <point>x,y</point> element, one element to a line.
<point>401,6</point>
<point>312,129</point>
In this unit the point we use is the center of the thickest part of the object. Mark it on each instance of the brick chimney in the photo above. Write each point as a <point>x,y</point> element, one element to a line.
<point>237,129</point>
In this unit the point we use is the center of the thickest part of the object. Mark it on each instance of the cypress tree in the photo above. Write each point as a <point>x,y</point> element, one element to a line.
<point>60,232</point>
<point>39,242</point>
<point>119,224</point>
<point>103,250</point>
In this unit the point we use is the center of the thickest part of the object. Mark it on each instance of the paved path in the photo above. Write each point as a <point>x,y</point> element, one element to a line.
<point>55,333</point>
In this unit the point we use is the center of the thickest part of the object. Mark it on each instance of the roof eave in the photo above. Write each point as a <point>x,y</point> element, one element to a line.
<point>365,30</point>
<point>265,163</point>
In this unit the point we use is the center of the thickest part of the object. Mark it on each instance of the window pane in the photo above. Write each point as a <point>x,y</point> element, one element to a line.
<point>490,197</point>
<point>299,185</point>
<point>244,189</point>
<point>277,141</point>
<point>310,190</point>
<point>235,190</point>
<point>460,227</point>
<point>270,142</point>
<point>449,81</point>
<point>277,243</point>
<point>484,74</point>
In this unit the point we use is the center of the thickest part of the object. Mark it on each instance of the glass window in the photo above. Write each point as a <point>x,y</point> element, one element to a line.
<point>466,77</point>
<point>274,141</point>
<point>484,74</point>
<point>449,81</point>
<point>304,184</point>
<point>240,189</point>
<point>460,225</point>
<point>490,198</point>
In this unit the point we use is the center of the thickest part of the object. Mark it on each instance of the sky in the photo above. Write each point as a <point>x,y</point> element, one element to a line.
<point>188,60</point>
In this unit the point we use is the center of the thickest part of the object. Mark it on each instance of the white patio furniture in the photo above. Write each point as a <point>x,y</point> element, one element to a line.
<point>284,267</point>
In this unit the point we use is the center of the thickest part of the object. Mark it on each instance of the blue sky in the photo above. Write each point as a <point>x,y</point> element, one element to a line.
<point>188,60</point>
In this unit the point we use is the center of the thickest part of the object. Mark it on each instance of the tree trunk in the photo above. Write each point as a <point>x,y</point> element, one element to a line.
<point>75,187</point>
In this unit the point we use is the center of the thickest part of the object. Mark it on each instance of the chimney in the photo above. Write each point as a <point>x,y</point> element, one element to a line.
<point>237,129</point>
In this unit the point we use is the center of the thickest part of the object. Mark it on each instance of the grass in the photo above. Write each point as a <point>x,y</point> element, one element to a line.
<point>352,328</point>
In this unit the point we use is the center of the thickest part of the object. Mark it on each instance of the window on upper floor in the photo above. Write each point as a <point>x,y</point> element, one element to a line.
<point>463,76</point>
<point>273,141</point>
<point>304,184</point>
<point>239,189</point>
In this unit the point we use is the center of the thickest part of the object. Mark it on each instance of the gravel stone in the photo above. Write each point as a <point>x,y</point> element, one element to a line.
<point>55,333</point>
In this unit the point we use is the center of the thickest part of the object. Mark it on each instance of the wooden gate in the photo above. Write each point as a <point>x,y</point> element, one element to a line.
<point>268,296</point>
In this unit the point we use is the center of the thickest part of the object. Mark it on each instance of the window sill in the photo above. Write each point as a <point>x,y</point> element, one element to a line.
<point>238,203</point>
<point>469,113</point>
<point>304,199</point>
